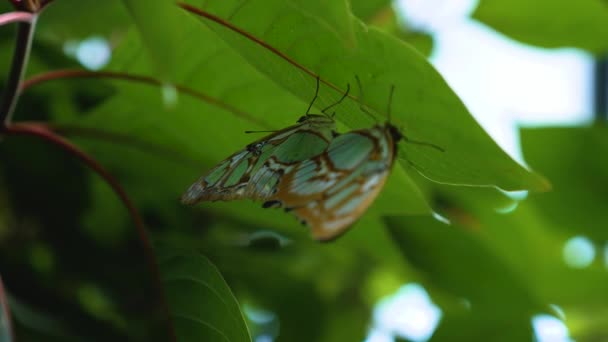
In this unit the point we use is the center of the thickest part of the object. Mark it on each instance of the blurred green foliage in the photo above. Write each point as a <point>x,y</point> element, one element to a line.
<point>74,267</point>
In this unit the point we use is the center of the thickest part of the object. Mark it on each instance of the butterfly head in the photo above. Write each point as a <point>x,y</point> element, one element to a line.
<point>313,117</point>
<point>394,132</point>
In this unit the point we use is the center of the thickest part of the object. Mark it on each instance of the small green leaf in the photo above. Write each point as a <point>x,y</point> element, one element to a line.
<point>549,23</point>
<point>202,306</point>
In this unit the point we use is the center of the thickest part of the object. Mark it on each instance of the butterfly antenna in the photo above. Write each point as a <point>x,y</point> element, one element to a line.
<point>248,132</point>
<point>390,103</point>
<point>339,101</point>
<point>361,106</point>
<point>314,98</point>
<point>423,143</point>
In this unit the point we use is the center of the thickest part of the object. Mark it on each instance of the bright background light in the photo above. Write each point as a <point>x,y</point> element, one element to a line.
<point>504,84</point>
<point>550,329</point>
<point>408,313</point>
<point>579,252</point>
<point>92,53</point>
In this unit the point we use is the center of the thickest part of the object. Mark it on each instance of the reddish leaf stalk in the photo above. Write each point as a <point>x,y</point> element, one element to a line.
<point>256,40</point>
<point>75,73</point>
<point>43,132</point>
<point>15,17</point>
<point>7,323</point>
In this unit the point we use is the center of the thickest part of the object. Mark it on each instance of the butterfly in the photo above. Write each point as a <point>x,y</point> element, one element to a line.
<point>327,180</point>
<point>331,191</point>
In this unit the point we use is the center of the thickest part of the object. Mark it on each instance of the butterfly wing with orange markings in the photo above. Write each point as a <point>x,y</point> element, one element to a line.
<point>331,191</point>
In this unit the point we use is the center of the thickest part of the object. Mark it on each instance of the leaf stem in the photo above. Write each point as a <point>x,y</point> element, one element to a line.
<point>23,44</point>
<point>77,73</point>
<point>260,42</point>
<point>43,132</point>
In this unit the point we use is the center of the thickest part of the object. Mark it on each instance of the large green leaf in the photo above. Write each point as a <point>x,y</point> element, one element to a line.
<point>159,25</point>
<point>202,134</point>
<point>549,23</point>
<point>202,306</point>
<point>426,108</point>
<point>574,160</point>
<point>454,260</point>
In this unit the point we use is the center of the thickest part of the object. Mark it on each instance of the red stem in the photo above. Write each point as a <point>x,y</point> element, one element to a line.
<point>75,73</point>
<point>6,312</point>
<point>256,40</point>
<point>43,132</point>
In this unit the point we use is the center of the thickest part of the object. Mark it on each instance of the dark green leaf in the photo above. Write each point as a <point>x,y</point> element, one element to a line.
<point>202,306</point>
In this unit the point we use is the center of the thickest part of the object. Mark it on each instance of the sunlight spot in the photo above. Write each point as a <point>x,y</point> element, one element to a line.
<point>516,195</point>
<point>440,218</point>
<point>558,311</point>
<point>263,324</point>
<point>93,53</point>
<point>409,313</point>
<point>264,338</point>
<point>434,15</point>
<point>578,252</point>
<point>507,209</point>
<point>170,95</point>
<point>550,329</point>
<point>376,335</point>
<point>257,315</point>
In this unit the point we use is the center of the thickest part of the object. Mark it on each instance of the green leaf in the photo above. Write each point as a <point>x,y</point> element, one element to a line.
<point>159,25</point>
<point>66,20</point>
<point>202,306</point>
<point>456,261</point>
<point>426,108</point>
<point>549,23</point>
<point>368,9</point>
<point>573,159</point>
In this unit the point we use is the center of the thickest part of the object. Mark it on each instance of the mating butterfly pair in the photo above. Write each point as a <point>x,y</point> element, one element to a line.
<point>327,180</point>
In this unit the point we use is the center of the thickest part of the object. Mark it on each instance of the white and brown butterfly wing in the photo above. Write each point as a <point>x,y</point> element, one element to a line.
<point>330,192</point>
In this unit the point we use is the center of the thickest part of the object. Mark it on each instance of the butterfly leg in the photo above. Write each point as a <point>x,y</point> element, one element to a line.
<point>313,99</point>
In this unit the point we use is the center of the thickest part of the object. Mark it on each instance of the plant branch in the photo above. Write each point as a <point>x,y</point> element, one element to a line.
<point>76,73</point>
<point>15,17</point>
<point>42,132</point>
<point>258,41</point>
<point>5,322</point>
<point>23,44</point>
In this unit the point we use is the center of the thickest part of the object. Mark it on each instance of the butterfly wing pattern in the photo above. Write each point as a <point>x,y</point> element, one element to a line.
<point>255,171</point>
<point>326,180</point>
<point>331,191</point>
